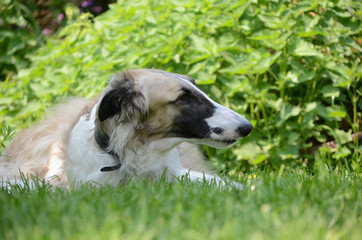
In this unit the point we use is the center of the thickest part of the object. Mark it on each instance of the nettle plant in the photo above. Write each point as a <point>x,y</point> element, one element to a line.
<point>291,67</point>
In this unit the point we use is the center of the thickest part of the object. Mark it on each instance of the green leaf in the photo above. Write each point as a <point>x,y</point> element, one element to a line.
<point>304,6</point>
<point>270,21</point>
<point>204,78</point>
<point>336,113</point>
<point>293,138</point>
<point>308,121</point>
<point>31,107</point>
<point>351,43</point>
<point>299,73</point>
<point>264,64</point>
<point>321,110</point>
<point>287,110</point>
<point>303,48</point>
<point>265,35</point>
<point>341,69</point>
<point>236,84</point>
<point>342,153</point>
<point>247,151</point>
<point>201,44</point>
<point>310,106</point>
<point>342,136</point>
<point>259,158</point>
<point>330,91</point>
<point>302,32</point>
<point>235,69</point>
<point>287,151</point>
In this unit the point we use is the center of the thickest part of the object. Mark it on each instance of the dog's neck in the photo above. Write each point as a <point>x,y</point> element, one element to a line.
<point>103,142</point>
<point>128,148</point>
<point>89,155</point>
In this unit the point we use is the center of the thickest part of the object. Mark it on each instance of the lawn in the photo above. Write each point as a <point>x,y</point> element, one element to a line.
<point>292,205</point>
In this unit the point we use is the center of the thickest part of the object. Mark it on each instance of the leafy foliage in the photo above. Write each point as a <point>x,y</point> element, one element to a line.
<point>6,133</point>
<point>292,67</point>
<point>16,37</point>
<point>23,25</point>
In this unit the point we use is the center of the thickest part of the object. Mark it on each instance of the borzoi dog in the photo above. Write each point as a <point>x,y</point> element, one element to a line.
<point>146,123</point>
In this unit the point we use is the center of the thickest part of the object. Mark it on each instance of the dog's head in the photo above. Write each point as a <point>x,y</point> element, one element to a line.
<point>163,105</point>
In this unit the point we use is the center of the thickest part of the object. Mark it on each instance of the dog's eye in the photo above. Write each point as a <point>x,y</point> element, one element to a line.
<point>186,97</point>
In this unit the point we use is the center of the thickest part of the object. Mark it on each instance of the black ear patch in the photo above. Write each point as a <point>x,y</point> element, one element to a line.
<point>113,101</point>
<point>122,99</point>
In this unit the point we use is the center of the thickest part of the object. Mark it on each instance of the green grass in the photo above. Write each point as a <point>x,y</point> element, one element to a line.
<point>271,206</point>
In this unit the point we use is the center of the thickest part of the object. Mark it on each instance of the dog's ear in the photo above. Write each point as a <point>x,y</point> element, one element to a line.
<point>124,99</point>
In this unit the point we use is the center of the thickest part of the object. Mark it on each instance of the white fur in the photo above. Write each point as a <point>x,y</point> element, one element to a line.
<point>151,161</point>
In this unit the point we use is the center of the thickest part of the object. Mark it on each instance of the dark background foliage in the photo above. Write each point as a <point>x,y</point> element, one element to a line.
<point>25,23</point>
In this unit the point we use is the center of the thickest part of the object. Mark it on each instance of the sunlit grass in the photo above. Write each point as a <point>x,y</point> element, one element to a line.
<point>291,206</point>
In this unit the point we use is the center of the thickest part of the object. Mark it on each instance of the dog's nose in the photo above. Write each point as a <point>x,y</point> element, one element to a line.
<point>245,129</point>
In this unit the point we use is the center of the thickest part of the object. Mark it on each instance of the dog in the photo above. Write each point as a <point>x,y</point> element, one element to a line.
<point>146,123</point>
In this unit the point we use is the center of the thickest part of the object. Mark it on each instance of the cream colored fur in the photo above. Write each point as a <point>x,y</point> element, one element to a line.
<point>38,152</point>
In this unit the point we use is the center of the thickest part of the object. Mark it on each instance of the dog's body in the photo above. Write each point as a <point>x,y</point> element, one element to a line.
<point>145,124</point>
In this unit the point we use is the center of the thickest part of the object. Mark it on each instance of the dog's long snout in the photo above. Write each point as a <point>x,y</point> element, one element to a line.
<point>245,129</point>
<point>227,124</point>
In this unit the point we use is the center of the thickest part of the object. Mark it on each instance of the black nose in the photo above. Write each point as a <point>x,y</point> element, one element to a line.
<point>245,129</point>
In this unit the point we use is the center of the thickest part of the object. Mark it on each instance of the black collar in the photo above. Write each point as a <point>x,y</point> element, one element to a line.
<point>103,142</point>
